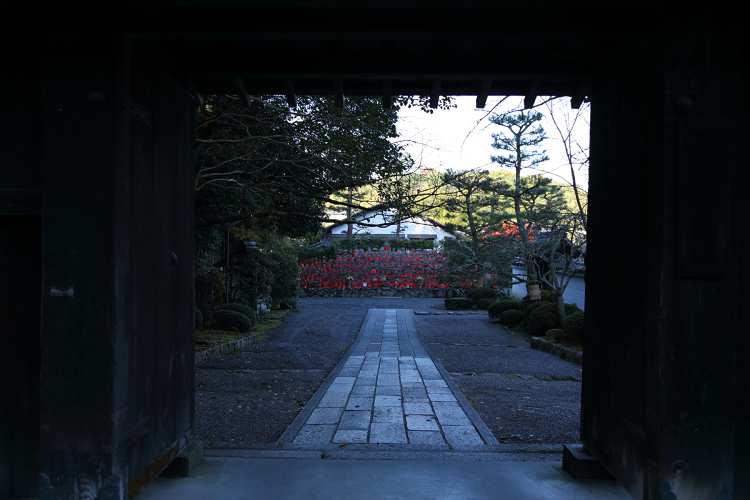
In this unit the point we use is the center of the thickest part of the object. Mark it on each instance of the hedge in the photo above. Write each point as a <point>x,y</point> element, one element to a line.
<point>573,325</point>
<point>511,318</point>
<point>543,318</point>
<point>497,308</point>
<point>205,310</point>
<point>481,293</point>
<point>232,321</point>
<point>458,303</point>
<point>242,309</point>
<point>484,303</point>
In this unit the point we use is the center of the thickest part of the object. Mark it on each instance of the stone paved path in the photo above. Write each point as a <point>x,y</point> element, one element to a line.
<point>388,390</point>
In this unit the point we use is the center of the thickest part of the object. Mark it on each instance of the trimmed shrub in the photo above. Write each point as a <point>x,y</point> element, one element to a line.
<point>548,296</point>
<point>554,335</point>
<point>458,303</point>
<point>198,317</point>
<point>481,293</point>
<point>529,309</point>
<point>570,309</point>
<point>242,309</point>
<point>484,303</point>
<point>573,325</point>
<point>286,279</point>
<point>543,318</point>
<point>453,304</point>
<point>205,310</point>
<point>232,321</point>
<point>511,318</point>
<point>497,308</point>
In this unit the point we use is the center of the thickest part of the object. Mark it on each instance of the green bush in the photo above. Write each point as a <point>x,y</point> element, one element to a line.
<point>499,307</point>
<point>198,317</point>
<point>232,321</point>
<point>484,303</point>
<point>554,335</point>
<point>205,310</point>
<point>529,309</point>
<point>286,279</point>
<point>458,303</point>
<point>481,293</point>
<point>511,318</point>
<point>573,325</point>
<point>543,318</point>
<point>242,309</point>
<point>570,309</point>
<point>453,304</point>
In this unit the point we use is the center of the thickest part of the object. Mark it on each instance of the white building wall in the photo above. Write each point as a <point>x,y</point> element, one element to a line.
<point>412,226</point>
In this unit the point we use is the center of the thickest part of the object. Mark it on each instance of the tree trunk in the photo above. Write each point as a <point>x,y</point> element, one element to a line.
<point>561,308</point>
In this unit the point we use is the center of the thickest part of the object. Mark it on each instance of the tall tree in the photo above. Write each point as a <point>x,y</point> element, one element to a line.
<point>521,142</point>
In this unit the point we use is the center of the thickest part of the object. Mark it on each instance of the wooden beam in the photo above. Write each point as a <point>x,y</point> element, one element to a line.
<point>291,97</point>
<point>530,97</point>
<point>338,92</point>
<point>196,94</point>
<point>484,92</point>
<point>387,94</point>
<point>435,93</point>
<point>239,86</point>
<point>580,94</point>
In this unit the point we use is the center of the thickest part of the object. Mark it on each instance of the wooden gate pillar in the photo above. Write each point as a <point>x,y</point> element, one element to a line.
<point>117,283</point>
<point>664,408</point>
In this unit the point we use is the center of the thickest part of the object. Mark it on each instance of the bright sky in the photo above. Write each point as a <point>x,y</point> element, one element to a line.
<point>461,138</point>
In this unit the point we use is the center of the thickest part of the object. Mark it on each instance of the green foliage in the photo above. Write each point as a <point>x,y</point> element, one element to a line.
<point>243,309</point>
<point>570,309</point>
<point>205,311</point>
<point>209,289</point>
<point>547,296</point>
<point>352,244</point>
<point>511,318</point>
<point>573,325</point>
<point>232,321</point>
<point>323,253</point>
<point>198,317</point>
<point>530,309</point>
<point>484,303</point>
<point>499,307</point>
<point>458,303</point>
<point>543,318</point>
<point>554,335</point>
<point>286,279</point>
<point>481,293</point>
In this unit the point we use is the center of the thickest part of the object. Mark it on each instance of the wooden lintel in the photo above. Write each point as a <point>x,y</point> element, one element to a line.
<point>291,97</point>
<point>387,94</point>
<point>338,92</point>
<point>577,99</point>
<point>530,97</point>
<point>435,93</point>
<point>484,92</point>
<point>196,94</point>
<point>239,85</point>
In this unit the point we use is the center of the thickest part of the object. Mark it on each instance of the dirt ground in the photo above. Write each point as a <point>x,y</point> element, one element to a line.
<point>523,395</point>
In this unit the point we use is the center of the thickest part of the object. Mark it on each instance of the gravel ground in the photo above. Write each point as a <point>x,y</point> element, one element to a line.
<point>250,397</point>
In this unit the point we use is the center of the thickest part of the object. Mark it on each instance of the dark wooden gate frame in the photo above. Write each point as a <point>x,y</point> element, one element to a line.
<point>96,208</point>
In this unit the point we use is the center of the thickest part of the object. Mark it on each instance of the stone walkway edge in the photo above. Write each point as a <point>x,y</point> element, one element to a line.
<point>388,393</point>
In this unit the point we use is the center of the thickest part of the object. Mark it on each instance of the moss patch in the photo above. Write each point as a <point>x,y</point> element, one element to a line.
<point>208,337</point>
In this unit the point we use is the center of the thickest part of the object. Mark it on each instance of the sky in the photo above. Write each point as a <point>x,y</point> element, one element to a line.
<point>461,138</point>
